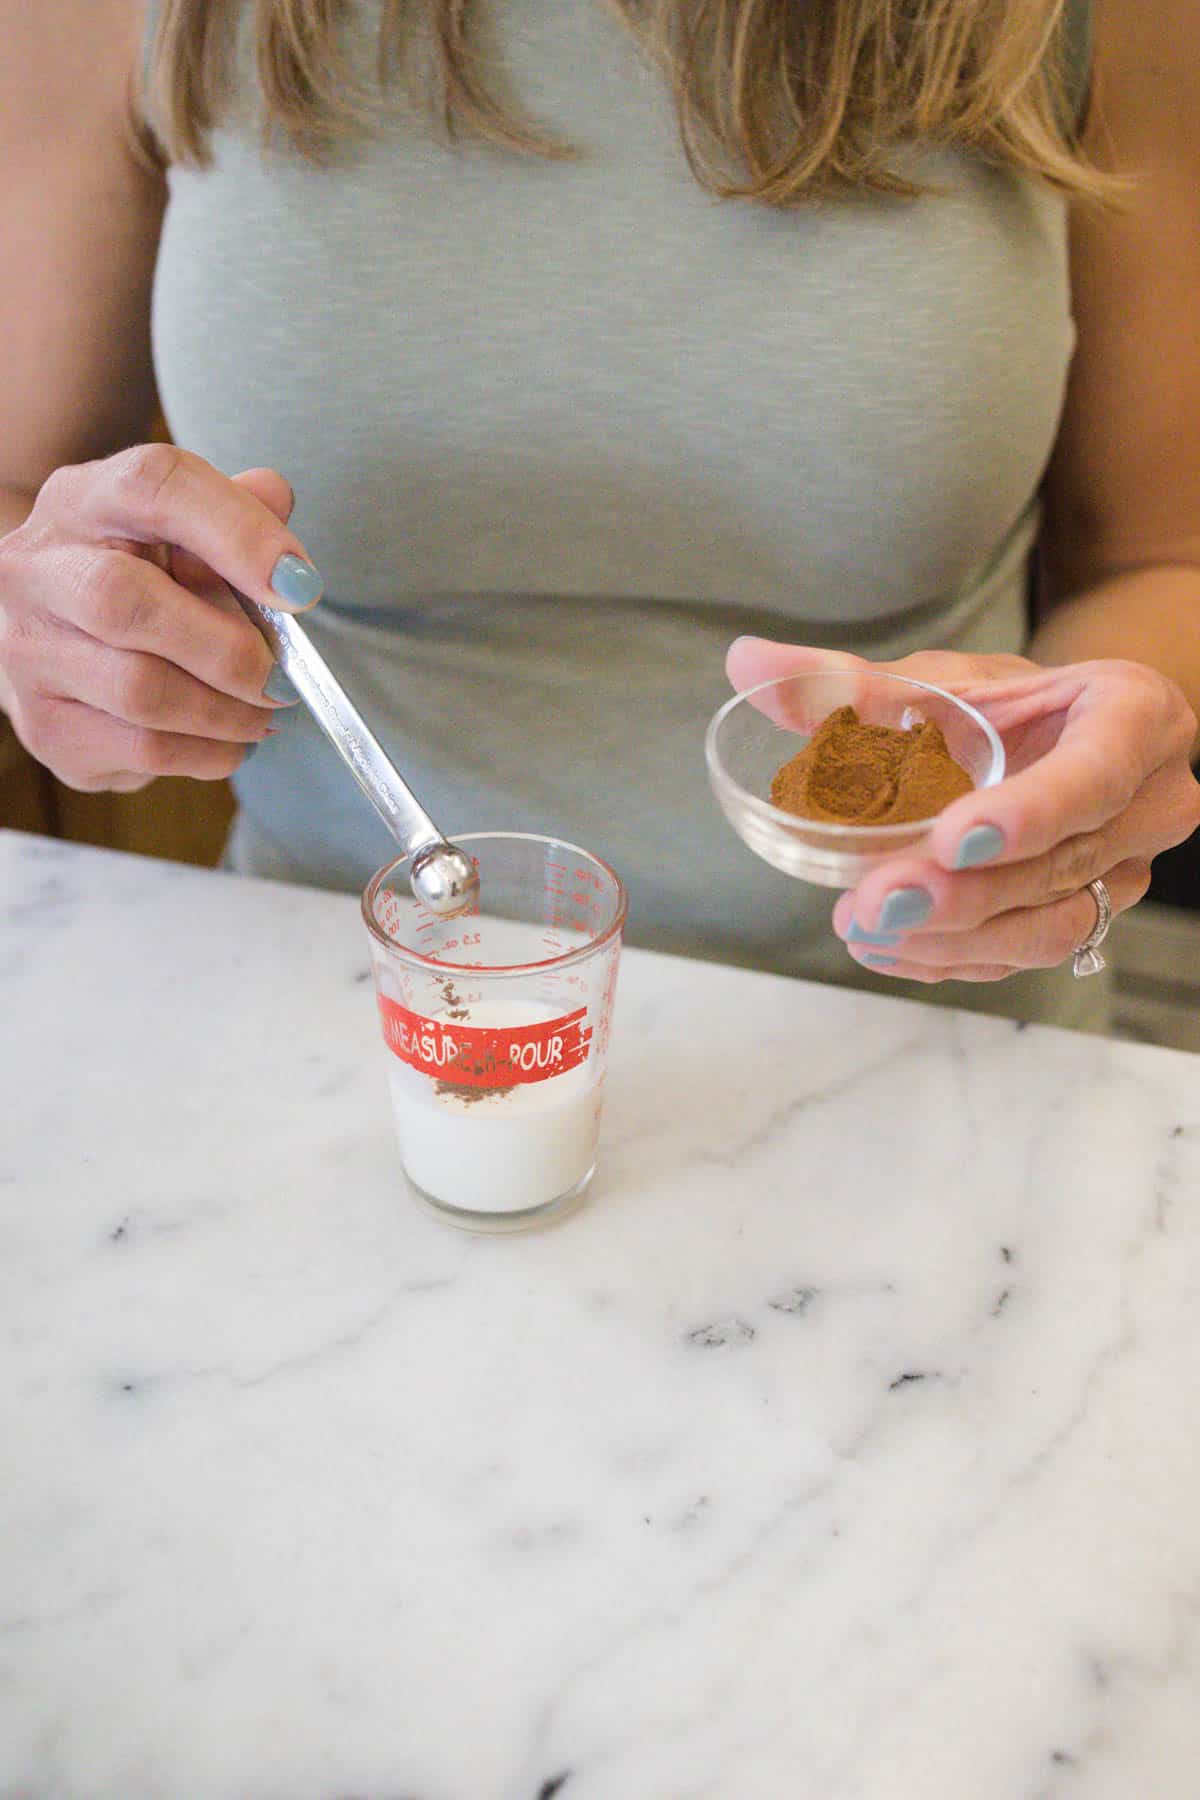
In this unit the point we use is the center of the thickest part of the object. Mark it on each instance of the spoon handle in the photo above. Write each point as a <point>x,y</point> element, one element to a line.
<point>344,726</point>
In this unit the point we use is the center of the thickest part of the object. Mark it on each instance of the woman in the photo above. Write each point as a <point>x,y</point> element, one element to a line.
<point>691,322</point>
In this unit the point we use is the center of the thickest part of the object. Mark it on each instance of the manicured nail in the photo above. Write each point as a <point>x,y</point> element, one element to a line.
<point>881,962</point>
<point>905,908</point>
<point>856,935</point>
<point>278,687</point>
<point>270,732</point>
<point>296,581</point>
<point>979,846</point>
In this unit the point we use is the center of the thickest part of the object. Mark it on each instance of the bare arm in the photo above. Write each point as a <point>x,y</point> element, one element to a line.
<point>1098,780</point>
<point>1123,529</point>
<point>122,654</point>
<point>80,216</point>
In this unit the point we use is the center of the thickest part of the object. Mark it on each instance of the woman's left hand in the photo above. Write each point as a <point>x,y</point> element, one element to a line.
<point>1098,782</point>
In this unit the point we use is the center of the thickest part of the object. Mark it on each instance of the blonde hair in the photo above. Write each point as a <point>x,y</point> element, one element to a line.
<point>778,101</point>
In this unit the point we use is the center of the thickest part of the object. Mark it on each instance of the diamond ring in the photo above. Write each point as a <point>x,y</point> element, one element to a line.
<point>1087,959</point>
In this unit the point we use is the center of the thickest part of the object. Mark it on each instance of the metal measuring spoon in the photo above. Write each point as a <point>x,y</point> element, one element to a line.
<point>442,877</point>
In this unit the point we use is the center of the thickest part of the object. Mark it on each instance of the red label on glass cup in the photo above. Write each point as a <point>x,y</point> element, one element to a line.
<point>469,1056</point>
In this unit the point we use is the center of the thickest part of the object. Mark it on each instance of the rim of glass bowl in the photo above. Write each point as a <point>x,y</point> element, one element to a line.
<point>764,809</point>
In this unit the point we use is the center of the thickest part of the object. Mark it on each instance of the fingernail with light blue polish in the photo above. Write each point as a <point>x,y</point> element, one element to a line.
<point>278,687</point>
<point>905,908</point>
<point>881,962</point>
<point>296,581</point>
<point>856,935</point>
<point>979,846</point>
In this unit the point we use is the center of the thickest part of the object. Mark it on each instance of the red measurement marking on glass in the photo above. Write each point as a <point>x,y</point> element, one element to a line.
<point>470,1056</point>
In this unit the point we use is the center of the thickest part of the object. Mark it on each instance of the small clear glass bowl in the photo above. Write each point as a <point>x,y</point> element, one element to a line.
<point>754,733</point>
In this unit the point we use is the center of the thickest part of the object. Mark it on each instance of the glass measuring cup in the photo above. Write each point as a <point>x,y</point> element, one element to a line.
<point>497,1026</point>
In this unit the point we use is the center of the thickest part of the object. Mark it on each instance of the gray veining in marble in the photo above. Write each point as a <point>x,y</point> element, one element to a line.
<point>844,1448</point>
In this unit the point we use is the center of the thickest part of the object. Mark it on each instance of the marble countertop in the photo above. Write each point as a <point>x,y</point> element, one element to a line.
<point>845,1447</point>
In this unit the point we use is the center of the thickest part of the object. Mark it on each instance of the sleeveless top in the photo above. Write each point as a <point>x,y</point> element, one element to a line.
<point>558,432</point>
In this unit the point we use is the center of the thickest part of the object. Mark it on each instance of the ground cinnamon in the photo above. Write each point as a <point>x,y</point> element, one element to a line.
<point>469,1095</point>
<point>855,774</point>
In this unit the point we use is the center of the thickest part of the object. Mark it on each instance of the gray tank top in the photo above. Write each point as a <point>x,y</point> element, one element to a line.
<point>558,432</point>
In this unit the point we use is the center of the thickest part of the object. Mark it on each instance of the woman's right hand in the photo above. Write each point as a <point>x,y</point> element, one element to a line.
<point>123,655</point>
